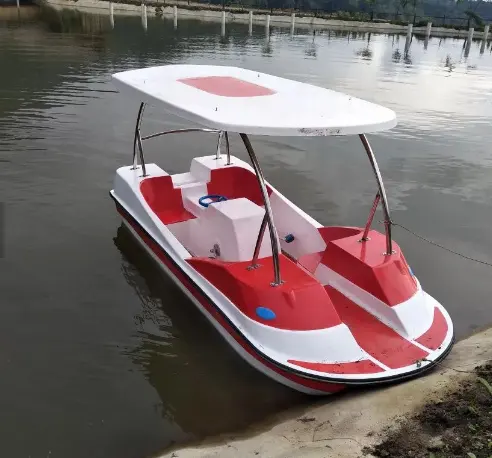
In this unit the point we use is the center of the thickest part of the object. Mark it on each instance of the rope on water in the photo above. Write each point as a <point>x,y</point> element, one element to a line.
<point>441,246</point>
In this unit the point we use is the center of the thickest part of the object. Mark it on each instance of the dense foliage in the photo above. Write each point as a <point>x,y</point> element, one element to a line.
<point>461,12</point>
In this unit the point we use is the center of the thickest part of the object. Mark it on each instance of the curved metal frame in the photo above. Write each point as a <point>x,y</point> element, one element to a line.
<point>382,195</point>
<point>219,144</point>
<point>223,134</point>
<point>276,249</point>
<point>254,262</point>
<point>138,141</point>
<point>178,131</point>
<point>268,218</point>
<point>227,148</point>
<point>365,235</point>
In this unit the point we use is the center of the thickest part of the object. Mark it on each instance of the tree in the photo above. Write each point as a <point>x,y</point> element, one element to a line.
<point>372,6</point>
<point>472,16</point>
<point>414,4</point>
<point>401,4</point>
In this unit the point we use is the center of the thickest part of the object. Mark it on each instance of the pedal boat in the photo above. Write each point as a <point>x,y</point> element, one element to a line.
<point>315,308</point>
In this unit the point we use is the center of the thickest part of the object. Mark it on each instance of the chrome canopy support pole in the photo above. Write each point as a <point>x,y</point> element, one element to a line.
<point>138,141</point>
<point>254,262</point>
<point>268,212</point>
<point>219,143</point>
<point>382,192</point>
<point>178,131</point>
<point>142,159</point>
<point>375,204</point>
<point>137,130</point>
<point>228,149</point>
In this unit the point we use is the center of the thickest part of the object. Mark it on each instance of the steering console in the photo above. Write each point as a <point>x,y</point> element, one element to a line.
<point>213,199</point>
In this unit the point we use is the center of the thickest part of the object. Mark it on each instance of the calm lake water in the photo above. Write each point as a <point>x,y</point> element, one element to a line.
<point>101,355</point>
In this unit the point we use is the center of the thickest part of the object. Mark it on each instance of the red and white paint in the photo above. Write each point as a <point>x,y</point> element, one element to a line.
<point>346,313</point>
<point>238,100</point>
<point>227,86</point>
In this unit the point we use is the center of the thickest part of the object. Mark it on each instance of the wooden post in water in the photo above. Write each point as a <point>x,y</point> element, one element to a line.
<point>428,29</point>
<point>469,40</point>
<point>223,23</point>
<point>267,24</point>
<point>292,23</point>
<point>409,31</point>
<point>484,39</point>
<point>250,26</point>
<point>409,37</point>
<point>144,16</point>
<point>486,32</point>
<point>111,14</point>
<point>175,16</point>
<point>427,34</point>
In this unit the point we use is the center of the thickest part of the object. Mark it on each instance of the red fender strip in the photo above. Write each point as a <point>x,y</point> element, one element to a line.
<point>326,387</point>
<point>364,366</point>
<point>436,334</point>
<point>374,337</point>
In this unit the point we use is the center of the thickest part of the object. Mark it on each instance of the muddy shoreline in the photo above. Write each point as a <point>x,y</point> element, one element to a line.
<point>455,425</point>
<point>353,423</point>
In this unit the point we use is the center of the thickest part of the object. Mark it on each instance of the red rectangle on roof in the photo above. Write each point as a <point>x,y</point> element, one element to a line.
<point>227,86</point>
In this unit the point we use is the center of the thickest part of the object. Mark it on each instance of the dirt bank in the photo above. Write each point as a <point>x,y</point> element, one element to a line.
<point>458,424</point>
<point>208,12</point>
<point>348,424</point>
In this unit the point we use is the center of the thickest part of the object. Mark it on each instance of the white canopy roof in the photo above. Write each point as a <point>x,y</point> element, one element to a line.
<point>244,101</point>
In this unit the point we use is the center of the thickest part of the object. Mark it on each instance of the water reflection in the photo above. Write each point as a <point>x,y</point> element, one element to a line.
<point>466,46</point>
<point>398,57</point>
<point>267,48</point>
<point>311,47</point>
<point>449,64</point>
<point>407,58</point>
<point>204,392</point>
<point>14,15</point>
<point>75,22</point>
<point>482,46</point>
<point>365,53</point>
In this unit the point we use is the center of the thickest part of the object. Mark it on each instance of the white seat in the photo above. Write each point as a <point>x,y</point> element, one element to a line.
<point>191,193</point>
<point>233,225</point>
<point>237,223</point>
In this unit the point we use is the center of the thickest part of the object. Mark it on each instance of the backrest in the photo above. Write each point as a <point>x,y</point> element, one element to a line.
<point>235,182</point>
<point>160,194</point>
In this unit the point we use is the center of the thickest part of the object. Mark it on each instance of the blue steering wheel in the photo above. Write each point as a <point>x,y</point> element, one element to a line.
<point>213,197</point>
